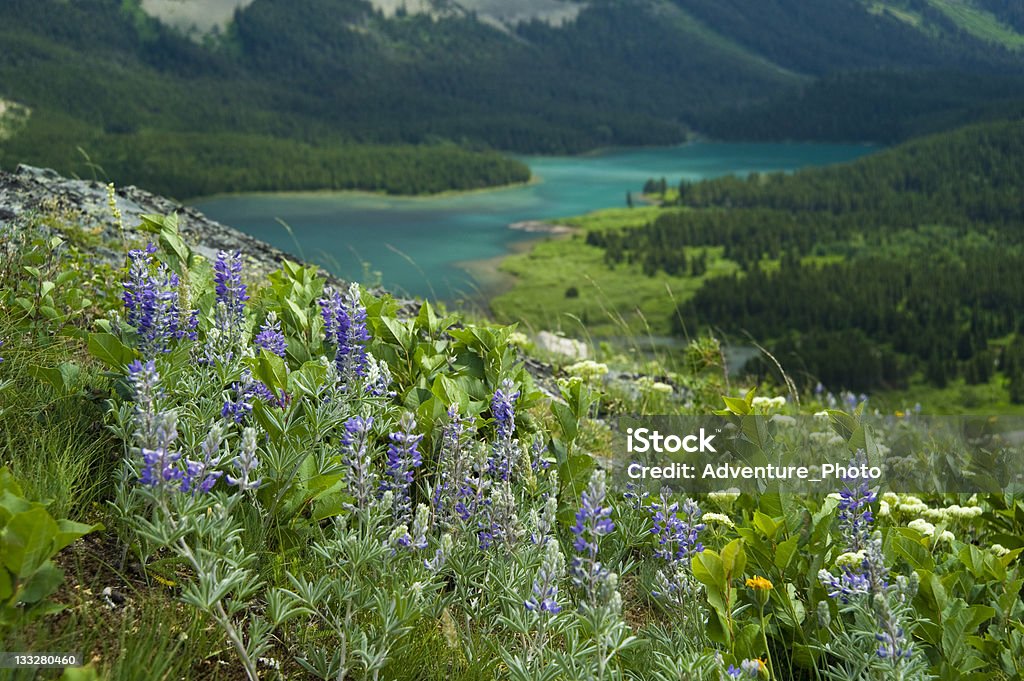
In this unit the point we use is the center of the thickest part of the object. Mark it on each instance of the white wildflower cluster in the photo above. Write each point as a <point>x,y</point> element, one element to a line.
<point>999,550</point>
<point>851,559</point>
<point>647,384</point>
<point>724,497</point>
<point>588,370</point>
<point>827,438</point>
<point>954,512</point>
<point>914,506</point>
<point>766,404</point>
<point>717,518</point>
<point>928,530</point>
<point>519,339</point>
<point>784,420</point>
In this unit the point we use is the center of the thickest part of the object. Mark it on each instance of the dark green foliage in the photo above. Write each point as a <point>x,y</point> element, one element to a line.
<point>868,289</point>
<point>188,164</point>
<point>876,106</point>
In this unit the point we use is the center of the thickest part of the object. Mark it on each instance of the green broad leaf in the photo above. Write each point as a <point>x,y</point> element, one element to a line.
<point>299,317</point>
<point>46,287</point>
<point>86,673</point>
<point>791,612</point>
<point>907,544</point>
<point>43,582</point>
<point>69,531</point>
<point>8,483</point>
<point>567,421</point>
<point>708,569</point>
<point>766,524</point>
<point>785,551</point>
<point>575,472</point>
<point>62,377</point>
<point>973,559</point>
<point>11,504</point>
<point>307,379</point>
<point>447,391</point>
<point>110,350</point>
<point>734,559</point>
<point>65,276</point>
<point>271,370</point>
<point>331,505</point>
<point>27,541</point>
<point>749,643</point>
<point>842,423</point>
<point>736,405</point>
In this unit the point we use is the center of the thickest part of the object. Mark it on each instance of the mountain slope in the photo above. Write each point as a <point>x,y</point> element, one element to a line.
<point>104,74</point>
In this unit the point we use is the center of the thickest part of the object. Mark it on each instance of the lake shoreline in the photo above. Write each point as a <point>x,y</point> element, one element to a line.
<point>452,245</point>
<point>365,193</point>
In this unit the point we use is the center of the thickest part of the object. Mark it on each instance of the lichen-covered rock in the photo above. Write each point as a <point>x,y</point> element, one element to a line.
<point>30,189</point>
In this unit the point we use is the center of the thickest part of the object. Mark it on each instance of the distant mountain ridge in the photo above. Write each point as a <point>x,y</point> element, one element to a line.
<point>549,76</point>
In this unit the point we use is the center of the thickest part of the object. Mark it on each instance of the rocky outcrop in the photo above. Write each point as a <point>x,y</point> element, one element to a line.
<point>37,190</point>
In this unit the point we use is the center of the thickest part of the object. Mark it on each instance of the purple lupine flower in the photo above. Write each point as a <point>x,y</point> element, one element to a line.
<point>152,304</point>
<point>537,449</point>
<point>545,586</point>
<point>440,555</point>
<point>160,463</point>
<point>399,539</point>
<point>345,327</point>
<point>748,669</point>
<point>361,478</point>
<point>146,391</point>
<point>855,516</point>
<point>892,641</point>
<point>635,495</point>
<point>231,291</point>
<point>246,390</point>
<point>848,584</point>
<point>403,458</point>
<point>452,463</point>
<point>498,519</point>
<point>201,476</point>
<point>270,337</point>
<point>246,463</point>
<point>593,521</point>
<point>677,537</point>
<point>1,345</point>
<point>503,410</point>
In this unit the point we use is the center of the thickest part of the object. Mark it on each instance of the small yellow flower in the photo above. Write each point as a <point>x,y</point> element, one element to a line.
<point>758,583</point>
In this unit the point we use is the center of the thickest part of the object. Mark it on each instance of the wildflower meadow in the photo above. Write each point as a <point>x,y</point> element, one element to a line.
<point>209,476</point>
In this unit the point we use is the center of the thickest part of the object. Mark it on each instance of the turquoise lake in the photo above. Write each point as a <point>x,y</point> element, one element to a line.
<point>420,245</point>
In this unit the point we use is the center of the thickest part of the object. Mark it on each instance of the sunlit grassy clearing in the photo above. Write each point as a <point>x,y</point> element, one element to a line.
<point>980,23</point>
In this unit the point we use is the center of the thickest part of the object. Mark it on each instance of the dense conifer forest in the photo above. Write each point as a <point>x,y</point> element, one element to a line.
<point>102,79</point>
<point>861,274</point>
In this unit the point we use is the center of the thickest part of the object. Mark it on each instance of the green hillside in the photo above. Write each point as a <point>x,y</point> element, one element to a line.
<point>104,79</point>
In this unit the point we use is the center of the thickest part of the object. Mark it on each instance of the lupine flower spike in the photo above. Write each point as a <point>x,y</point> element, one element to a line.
<point>345,328</point>
<point>152,304</point>
<point>403,458</point>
